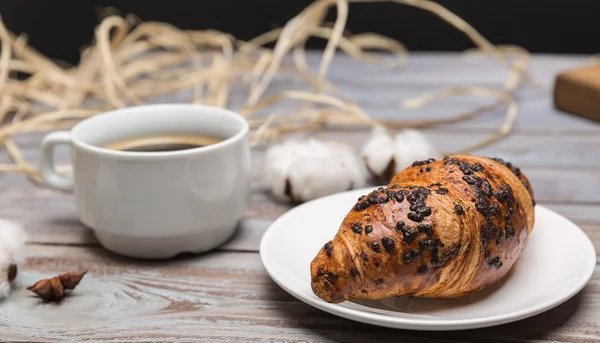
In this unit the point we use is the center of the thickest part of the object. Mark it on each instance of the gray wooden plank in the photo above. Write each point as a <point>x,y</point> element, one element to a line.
<point>379,90</point>
<point>536,110</point>
<point>225,297</point>
<point>442,68</point>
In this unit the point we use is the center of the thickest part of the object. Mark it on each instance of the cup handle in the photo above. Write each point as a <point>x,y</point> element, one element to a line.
<point>46,164</point>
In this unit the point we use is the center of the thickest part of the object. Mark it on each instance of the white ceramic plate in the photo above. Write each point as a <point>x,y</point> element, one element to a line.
<point>557,263</point>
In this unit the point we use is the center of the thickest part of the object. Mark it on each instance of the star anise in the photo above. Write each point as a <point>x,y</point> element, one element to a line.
<point>54,288</point>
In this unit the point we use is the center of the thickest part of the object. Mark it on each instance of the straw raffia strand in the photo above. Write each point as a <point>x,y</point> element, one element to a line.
<point>131,61</point>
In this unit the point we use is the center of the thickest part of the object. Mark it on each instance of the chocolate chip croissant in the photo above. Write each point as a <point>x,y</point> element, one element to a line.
<point>440,229</point>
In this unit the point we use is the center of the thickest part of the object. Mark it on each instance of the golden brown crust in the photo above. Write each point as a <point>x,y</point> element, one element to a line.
<point>440,229</point>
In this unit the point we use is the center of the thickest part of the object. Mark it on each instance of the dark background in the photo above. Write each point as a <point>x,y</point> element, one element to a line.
<point>59,28</point>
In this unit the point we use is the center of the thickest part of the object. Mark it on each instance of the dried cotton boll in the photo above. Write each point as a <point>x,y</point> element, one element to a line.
<point>12,239</point>
<point>386,155</point>
<point>305,170</point>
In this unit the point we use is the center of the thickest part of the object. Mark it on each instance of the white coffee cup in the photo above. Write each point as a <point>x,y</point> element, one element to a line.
<point>156,204</point>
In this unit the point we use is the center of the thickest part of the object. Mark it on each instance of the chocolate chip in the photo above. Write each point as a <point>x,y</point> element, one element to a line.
<point>425,228</point>
<point>442,191</point>
<point>429,244</point>
<point>357,228</point>
<point>398,196</point>
<point>373,198</point>
<point>487,188</point>
<point>448,256</point>
<point>411,255</point>
<point>361,206</point>
<point>364,291</point>
<point>422,163</point>
<point>320,272</point>
<point>368,229</point>
<point>487,254</point>
<point>332,276</point>
<point>424,211</point>
<point>395,186</point>
<point>407,233</point>
<point>353,272</point>
<point>415,217</point>
<point>364,256</point>
<point>375,246</point>
<point>500,236</point>
<point>510,232</point>
<point>459,209</point>
<point>422,270</point>
<point>488,233</point>
<point>495,262</point>
<point>388,244</point>
<point>465,167</point>
<point>328,248</point>
<point>378,282</point>
<point>469,180</point>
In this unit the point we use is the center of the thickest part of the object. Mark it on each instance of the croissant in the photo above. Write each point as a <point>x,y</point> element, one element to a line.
<point>440,229</point>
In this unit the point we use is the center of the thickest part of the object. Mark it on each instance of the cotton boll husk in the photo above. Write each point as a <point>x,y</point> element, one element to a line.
<point>386,155</point>
<point>12,239</point>
<point>306,170</point>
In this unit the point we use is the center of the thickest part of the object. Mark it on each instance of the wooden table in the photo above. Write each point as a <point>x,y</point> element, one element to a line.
<point>226,296</point>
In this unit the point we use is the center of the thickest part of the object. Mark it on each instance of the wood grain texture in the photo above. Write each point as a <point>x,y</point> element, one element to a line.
<point>225,297</point>
<point>380,90</point>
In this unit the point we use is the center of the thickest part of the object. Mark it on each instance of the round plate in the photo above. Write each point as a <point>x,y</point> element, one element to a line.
<point>556,264</point>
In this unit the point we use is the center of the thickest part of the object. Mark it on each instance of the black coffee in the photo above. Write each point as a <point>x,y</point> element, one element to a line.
<point>162,143</point>
<point>163,147</point>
